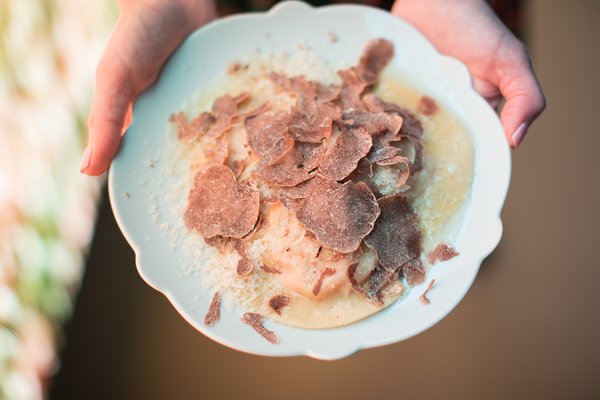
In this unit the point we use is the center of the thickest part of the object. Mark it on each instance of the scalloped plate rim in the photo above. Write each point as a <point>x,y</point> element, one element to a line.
<point>137,247</point>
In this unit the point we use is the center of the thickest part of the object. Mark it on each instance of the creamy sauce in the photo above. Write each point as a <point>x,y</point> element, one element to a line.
<point>439,190</point>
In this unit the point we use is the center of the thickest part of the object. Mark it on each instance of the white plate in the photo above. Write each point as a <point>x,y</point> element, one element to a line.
<point>207,53</point>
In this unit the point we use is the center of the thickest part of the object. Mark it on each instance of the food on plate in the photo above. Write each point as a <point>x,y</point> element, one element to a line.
<point>312,196</point>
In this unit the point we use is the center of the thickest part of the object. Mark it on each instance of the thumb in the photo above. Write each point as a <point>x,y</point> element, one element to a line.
<point>113,95</point>
<point>524,98</point>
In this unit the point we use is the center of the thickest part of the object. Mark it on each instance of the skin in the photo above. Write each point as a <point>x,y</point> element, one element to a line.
<point>149,31</point>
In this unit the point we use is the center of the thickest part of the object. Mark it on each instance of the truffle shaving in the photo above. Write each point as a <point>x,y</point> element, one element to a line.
<point>327,271</point>
<point>376,56</point>
<point>214,311</point>
<point>349,148</point>
<point>351,96</point>
<point>237,167</point>
<point>415,272</point>
<point>423,299</point>
<point>256,226</point>
<point>291,203</point>
<point>276,302</point>
<point>383,154</point>
<point>307,91</point>
<point>376,105</point>
<point>340,215</point>
<point>349,76</point>
<point>417,164</point>
<point>314,128</point>
<point>281,165</point>
<point>270,270</point>
<point>300,191</point>
<point>255,321</point>
<point>395,289</point>
<point>442,252</point>
<point>225,109</point>
<point>198,126</point>
<point>427,106</point>
<point>351,270</point>
<point>326,94</point>
<point>396,237</point>
<point>221,153</point>
<point>374,123</point>
<point>363,173</point>
<point>380,279</point>
<point>312,153</point>
<point>220,206</point>
<point>265,129</point>
<point>259,110</point>
<point>283,81</point>
<point>411,125</point>
<point>221,243</point>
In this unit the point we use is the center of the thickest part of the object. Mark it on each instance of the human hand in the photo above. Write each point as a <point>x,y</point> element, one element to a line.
<point>146,34</point>
<point>499,63</point>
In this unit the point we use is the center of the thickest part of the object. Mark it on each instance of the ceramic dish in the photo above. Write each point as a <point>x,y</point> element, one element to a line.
<point>135,184</point>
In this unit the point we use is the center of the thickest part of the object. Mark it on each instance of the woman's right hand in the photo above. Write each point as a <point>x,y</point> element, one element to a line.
<point>146,34</point>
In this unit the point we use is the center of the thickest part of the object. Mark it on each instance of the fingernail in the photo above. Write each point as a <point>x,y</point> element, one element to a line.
<point>519,134</point>
<point>85,160</point>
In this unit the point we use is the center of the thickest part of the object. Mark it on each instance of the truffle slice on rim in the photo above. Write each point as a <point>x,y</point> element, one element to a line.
<point>343,158</point>
<point>340,215</point>
<point>423,299</point>
<point>214,311</point>
<point>255,321</point>
<point>376,56</point>
<point>396,237</point>
<point>218,205</point>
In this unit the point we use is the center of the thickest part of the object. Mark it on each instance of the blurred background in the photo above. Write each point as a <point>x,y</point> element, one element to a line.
<point>528,328</point>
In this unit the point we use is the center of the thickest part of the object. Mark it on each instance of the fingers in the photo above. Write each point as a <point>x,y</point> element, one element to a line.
<point>488,91</point>
<point>146,34</point>
<point>524,98</point>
